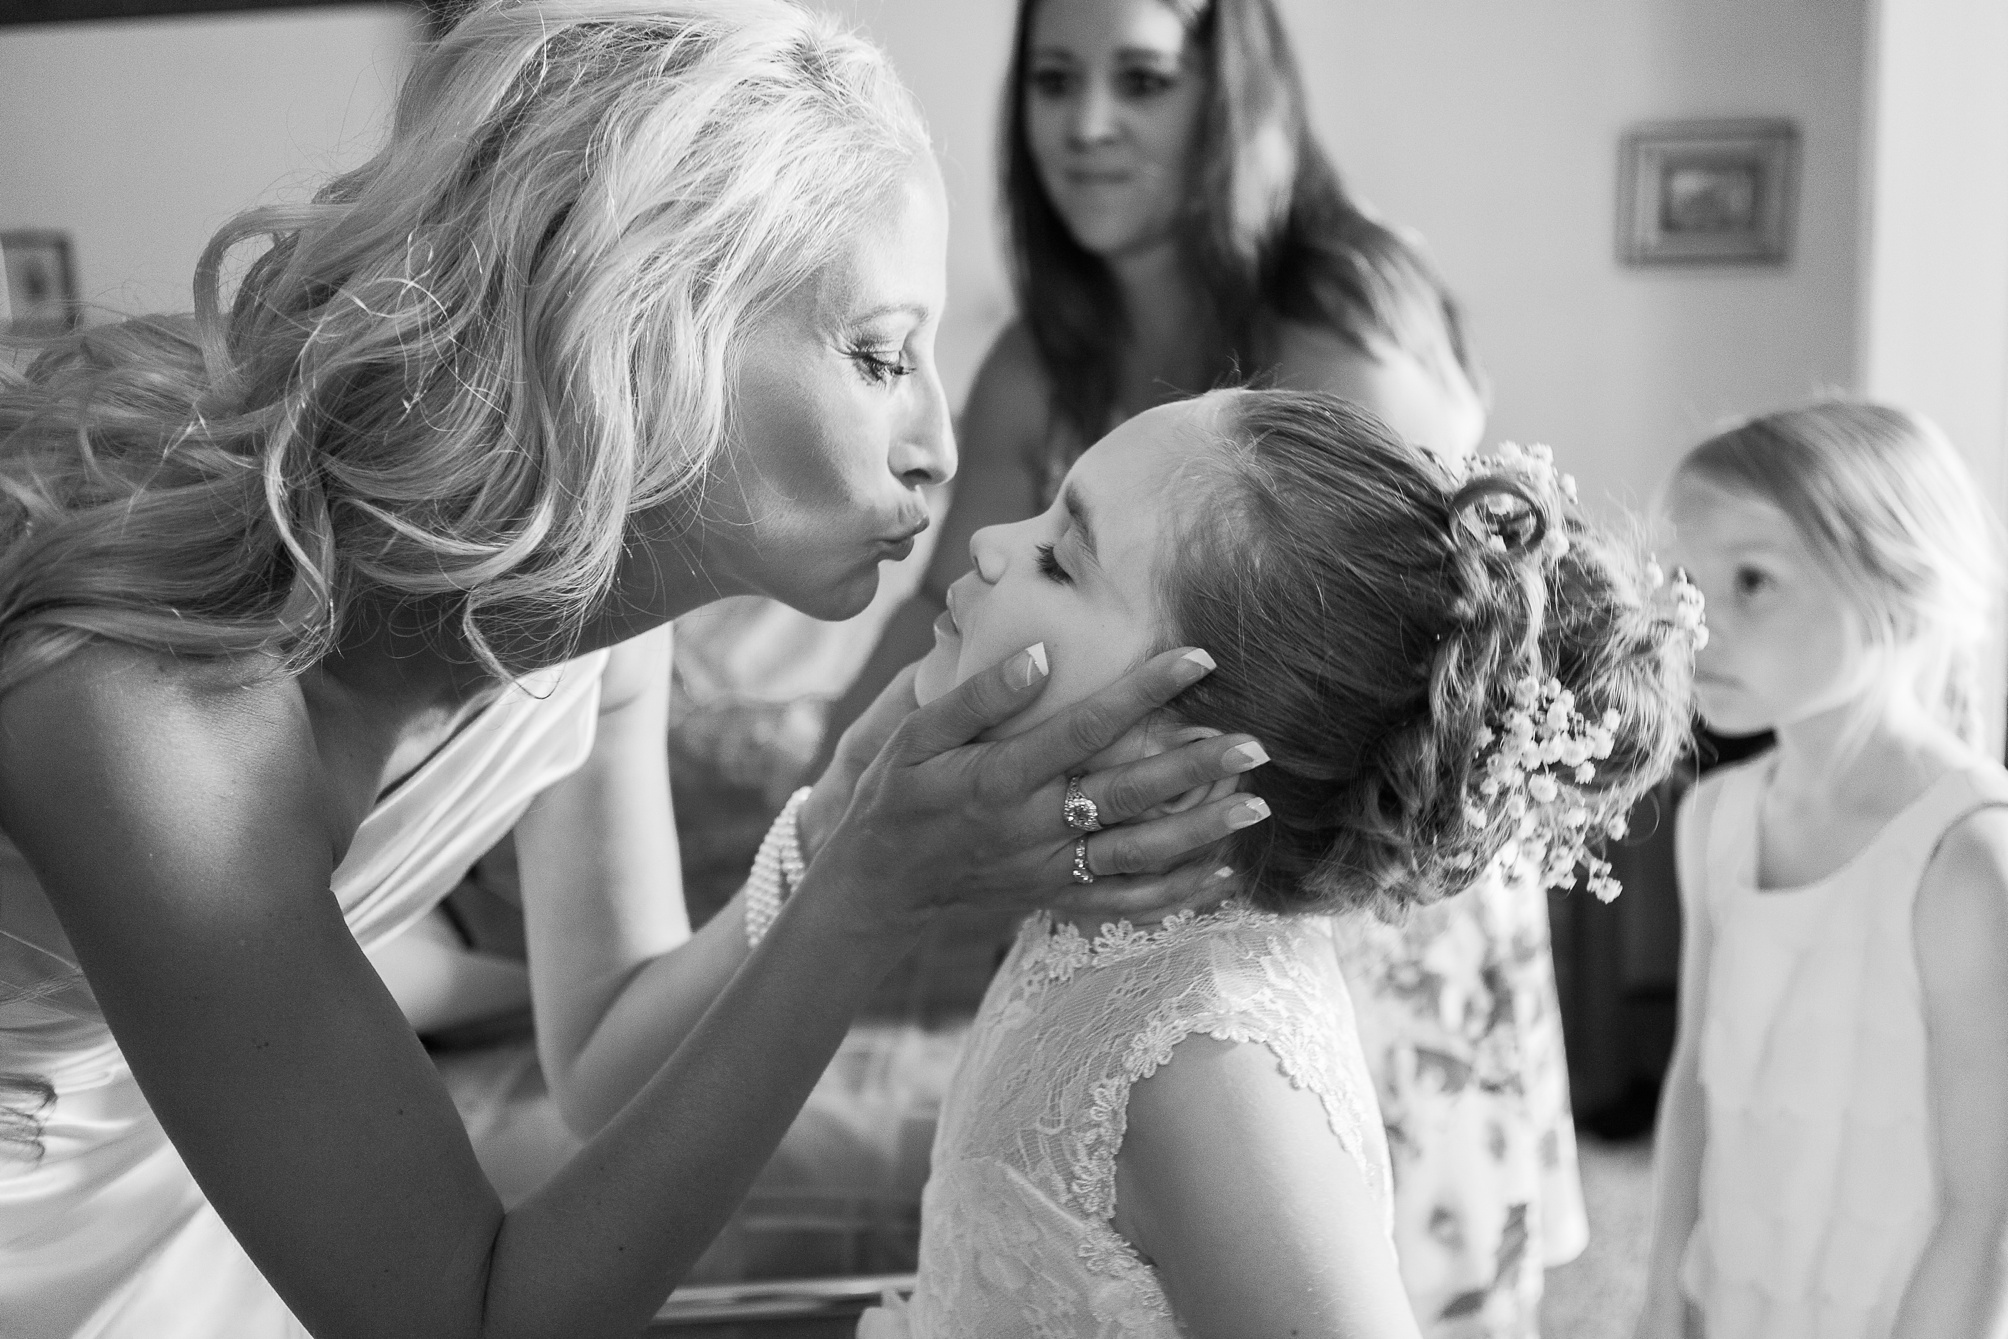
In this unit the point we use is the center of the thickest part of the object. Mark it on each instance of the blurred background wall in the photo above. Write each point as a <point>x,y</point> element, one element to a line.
<point>1491,129</point>
<point>139,138</point>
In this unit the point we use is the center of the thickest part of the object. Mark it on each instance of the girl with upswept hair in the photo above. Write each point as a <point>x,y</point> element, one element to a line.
<point>1168,1130</point>
<point>309,597</point>
<point>1175,226</point>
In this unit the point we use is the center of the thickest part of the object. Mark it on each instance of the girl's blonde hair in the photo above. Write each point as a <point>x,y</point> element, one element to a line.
<point>1883,498</point>
<point>457,372</point>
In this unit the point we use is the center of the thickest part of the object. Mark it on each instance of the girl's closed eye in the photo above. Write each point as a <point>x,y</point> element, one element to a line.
<point>1049,566</point>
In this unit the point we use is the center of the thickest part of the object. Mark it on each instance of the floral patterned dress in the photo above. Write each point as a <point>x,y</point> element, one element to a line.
<point>1462,1029</point>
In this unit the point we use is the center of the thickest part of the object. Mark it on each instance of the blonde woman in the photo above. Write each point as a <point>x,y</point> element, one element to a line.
<point>304,601</point>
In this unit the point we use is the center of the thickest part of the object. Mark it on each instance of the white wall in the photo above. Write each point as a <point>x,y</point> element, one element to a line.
<point>140,138</point>
<point>1934,311</point>
<point>1490,127</point>
<point>1493,129</point>
<point>1934,315</point>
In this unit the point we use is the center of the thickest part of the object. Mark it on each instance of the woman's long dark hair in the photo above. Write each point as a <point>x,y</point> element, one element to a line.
<point>1269,232</point>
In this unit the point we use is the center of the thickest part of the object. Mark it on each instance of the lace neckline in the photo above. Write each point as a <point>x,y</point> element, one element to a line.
<point>1055,950</point>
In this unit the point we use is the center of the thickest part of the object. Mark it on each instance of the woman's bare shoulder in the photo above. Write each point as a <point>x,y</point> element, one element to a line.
<point>115,733</point>
<point>1012,360</point>
<point>1010,401</point>
<point>105,685</point>
<point>637,668</point>
<point>1434,407</point>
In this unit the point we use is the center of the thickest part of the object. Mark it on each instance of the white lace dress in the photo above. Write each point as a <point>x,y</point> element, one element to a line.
<point>1017,1237</point>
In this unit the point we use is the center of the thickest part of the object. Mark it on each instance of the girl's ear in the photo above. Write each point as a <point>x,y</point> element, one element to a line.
<point>1163,739</point>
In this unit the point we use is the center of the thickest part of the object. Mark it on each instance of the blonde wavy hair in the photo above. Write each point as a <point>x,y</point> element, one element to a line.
<point>1887,503</point>
<point>458,371</point>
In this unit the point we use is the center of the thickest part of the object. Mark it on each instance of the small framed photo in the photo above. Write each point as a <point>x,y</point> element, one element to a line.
<point>1707,192</point>
<point>41,287</point>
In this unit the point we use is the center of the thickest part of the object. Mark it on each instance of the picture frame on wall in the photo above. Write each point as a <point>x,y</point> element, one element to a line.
<point>1708,192</point>
<point>41,283</point>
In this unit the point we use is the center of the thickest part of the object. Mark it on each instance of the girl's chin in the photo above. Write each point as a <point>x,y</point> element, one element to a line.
<point>937,674</point>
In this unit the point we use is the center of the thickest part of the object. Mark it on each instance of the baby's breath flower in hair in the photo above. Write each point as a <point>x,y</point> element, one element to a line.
<point>1537,763</point>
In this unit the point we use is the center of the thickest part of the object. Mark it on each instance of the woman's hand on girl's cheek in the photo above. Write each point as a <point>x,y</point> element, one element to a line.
<point>1138,762</point>
<point>831,794</point>
<point>937,819</point>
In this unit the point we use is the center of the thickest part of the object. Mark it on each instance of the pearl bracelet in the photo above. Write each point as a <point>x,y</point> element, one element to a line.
<point>777,869</point>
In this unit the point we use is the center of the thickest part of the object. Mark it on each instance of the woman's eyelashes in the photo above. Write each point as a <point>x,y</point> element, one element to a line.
<point>1049,566</point>
<point>1052,82</point>
<point>1751,581</point>
<point>881,365</point>
<point>1139,82</point>
<point>1133,83</point>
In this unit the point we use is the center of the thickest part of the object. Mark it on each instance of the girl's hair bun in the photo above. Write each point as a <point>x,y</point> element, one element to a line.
<point>1390,628</point>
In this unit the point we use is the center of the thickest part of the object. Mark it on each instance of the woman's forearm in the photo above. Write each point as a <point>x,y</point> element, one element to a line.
<point>589,1252</point>
<point>441,983</point>
<point>655,1010</point>
<point>1959,1289</point>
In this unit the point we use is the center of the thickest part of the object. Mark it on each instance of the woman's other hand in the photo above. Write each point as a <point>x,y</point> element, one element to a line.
<point>937,818</point>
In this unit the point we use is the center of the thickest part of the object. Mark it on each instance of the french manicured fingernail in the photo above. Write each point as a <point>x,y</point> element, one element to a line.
<point>1245,757</point>
<point>1224,872</point>
<point>1248,813</point>
<point>1028,668</point>
<point>1194,665</point>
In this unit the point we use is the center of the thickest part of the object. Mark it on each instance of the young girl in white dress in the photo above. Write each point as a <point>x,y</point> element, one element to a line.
<point>1170,1129</point>
<point>1830,1157</point>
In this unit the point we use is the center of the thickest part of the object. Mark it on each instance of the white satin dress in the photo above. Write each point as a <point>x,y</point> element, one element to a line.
<point>106,1235</point>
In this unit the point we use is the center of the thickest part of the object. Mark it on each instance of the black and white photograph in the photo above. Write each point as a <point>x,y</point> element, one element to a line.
<point>1003,669</point>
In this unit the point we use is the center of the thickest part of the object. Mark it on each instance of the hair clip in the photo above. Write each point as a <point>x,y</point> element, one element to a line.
<point>1497,513</point>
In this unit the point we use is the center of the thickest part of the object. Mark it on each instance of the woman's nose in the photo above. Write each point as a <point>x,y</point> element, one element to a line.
<point>1095,115</point>
<point>924,453</point>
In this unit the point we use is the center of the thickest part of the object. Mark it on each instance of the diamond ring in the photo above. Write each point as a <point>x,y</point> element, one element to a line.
<point>1082,874</point>
<point>1079,810</point>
